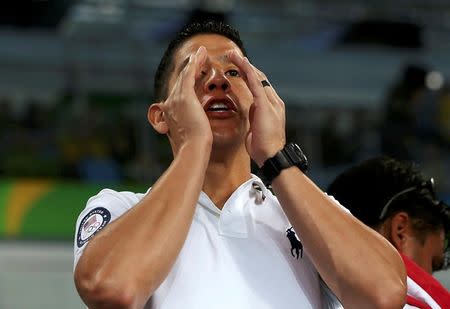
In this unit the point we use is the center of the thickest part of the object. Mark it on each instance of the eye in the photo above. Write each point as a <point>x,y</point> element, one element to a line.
<point>233,73</point>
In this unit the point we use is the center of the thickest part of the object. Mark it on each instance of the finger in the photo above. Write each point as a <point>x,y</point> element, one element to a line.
<point>252,80</point>
<point>194,67</point>
<point>259,72</point>
<point>187,77</point>
<point>270,90</point>
<point>177,87</point>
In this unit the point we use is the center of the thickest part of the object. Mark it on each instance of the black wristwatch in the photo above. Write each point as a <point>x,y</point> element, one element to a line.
<point>290,155</point>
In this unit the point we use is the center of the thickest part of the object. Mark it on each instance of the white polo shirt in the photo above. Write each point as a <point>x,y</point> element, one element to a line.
<point>237,257</point>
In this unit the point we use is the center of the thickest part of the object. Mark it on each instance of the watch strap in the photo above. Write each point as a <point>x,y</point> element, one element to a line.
<point>290,155</point>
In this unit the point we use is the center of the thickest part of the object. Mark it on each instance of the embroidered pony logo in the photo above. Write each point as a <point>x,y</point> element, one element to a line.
<point>296,245</point>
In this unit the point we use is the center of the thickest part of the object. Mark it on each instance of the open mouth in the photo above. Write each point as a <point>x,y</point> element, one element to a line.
<point>218,107</point>
<point>222,105</point>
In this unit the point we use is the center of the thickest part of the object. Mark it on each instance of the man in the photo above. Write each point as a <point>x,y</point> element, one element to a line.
<point>396,200</point>
<point>209,234</point>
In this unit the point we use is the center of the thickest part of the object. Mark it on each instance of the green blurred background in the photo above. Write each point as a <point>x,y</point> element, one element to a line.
<point>45,209</point>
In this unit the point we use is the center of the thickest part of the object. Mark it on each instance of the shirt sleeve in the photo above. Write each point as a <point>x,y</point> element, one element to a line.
<point>101,210</point>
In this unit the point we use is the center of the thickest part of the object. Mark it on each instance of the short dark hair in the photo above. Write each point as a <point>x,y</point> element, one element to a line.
<point>366,188</point>
<point>166,65</point>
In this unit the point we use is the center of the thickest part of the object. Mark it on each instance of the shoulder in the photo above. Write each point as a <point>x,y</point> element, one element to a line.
<point>110,202</point>
<point>101,210</point>
<point>115,199</point>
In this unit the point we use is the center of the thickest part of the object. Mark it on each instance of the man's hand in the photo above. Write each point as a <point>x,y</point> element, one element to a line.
<point>183,117</point>
<point>267,114</point>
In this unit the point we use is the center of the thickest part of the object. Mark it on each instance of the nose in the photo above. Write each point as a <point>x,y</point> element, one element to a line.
<point>216,80</point>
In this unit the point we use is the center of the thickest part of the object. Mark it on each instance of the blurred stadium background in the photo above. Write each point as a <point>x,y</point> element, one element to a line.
<point>358,78</point>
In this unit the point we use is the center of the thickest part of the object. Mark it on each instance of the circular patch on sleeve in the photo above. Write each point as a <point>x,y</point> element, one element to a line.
<point>93,222</point>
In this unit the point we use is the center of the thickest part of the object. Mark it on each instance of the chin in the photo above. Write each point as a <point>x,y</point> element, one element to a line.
<point>228,134</point>
<point>226,139</point>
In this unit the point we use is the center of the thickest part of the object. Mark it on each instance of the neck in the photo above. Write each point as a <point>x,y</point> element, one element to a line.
<point>226,171</point>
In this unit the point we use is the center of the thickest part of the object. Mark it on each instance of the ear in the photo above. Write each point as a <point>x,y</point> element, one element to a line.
<point>400,231</point>
<point>155,116</point>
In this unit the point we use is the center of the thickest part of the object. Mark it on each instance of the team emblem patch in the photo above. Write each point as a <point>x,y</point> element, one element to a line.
<point>93,222</point>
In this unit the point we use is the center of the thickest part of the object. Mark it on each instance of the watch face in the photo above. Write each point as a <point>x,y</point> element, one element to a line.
<point>297,156</point>
<point>297,149</point>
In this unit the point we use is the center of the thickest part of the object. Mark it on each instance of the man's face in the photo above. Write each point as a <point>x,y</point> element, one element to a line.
<point>221,89</point>
<point>430,254</point>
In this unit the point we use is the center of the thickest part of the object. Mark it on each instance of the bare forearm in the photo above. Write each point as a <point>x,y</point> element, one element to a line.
<point>137,250</point>
<point>359,265</point>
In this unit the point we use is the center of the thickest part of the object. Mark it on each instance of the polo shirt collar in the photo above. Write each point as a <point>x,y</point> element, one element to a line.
<point>232,217</point>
